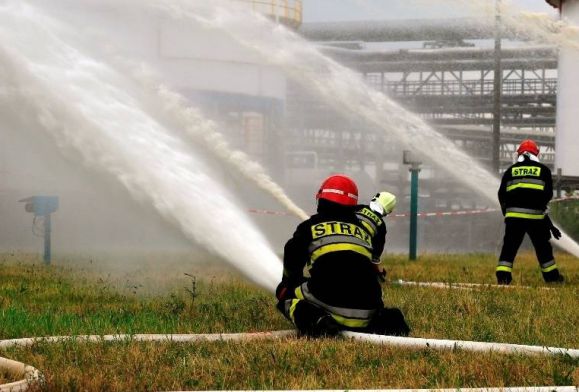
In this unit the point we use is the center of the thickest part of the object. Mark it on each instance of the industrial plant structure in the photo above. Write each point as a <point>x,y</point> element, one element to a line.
<point>443,70</point>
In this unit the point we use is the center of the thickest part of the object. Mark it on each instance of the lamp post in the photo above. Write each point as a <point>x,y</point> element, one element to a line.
<point>408,158</point>
<point>43,206</point>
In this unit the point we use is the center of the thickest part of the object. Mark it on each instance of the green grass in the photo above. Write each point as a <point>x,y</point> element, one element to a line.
<point>77,298</point>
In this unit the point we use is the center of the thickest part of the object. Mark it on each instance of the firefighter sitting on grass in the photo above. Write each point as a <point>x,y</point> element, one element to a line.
<point>342,291</point>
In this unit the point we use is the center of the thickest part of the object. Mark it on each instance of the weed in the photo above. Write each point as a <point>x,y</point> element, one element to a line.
<point>174,306</point>
<point>192,289</point>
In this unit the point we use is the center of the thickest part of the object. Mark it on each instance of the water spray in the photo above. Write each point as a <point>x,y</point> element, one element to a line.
<point>341,88</point>
<point>88,109</point>
<point>201,130</point>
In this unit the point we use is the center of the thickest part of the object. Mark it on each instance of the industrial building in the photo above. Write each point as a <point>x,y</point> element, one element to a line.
<point>443,70</point>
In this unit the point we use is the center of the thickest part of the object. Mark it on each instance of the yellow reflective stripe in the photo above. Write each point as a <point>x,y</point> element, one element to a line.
<point>550,268</point>
<point>298,292</point>
<point>504,268</point>
<point>340,247</point>
<point>525,185</point>
<point>292,309</point>
<point>368,227</point>
<point>524,216</point>
<point>348,322</point>
<point>369,214</point>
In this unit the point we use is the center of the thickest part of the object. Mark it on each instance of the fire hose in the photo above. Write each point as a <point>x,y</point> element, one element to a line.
<point>31,375</point>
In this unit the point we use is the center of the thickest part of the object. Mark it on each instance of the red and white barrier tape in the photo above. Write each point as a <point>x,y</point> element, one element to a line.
<point>568,198</point>
<point>270,212</point>
<point>445,213</point>
<point>420,214</point>
<point>403,215</point>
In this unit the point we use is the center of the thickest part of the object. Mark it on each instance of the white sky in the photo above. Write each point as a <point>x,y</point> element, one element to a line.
<point>343,10</point>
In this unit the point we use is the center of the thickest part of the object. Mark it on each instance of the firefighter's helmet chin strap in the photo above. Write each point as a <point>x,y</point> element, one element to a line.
<point>532,157</point>
<point>377,208</point>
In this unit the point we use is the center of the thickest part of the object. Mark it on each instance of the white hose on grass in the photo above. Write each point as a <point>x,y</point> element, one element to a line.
<point>466,286</point>
<point>443,344</point>
<point>32,375</point>
<point>514,389</point>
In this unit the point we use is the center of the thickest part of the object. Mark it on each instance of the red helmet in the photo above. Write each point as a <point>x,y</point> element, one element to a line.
<point>528,146</point>
<point>339,189</point>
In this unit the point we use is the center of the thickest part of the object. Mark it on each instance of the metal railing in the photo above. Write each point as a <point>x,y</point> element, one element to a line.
<point>472,87</point>
<point>288,12</point>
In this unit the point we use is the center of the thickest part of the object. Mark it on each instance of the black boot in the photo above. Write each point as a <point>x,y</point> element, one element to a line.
<point>325,326</point>
<point>314,321</point>
<point>504,277</point>
<point>389,321</point>
<point>553,277</point>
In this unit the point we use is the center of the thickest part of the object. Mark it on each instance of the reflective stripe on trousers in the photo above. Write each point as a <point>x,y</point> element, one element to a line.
<point>505,266</point>
<point>355,318</point>
<point>524,213</point>
<point>549,266</point>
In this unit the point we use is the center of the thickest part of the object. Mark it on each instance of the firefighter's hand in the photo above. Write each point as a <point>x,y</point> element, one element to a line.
<point>380,272</point>
<point>282,291</point>
<point>556,232</point>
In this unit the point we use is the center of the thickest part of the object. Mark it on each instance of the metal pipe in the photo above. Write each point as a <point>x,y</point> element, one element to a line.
<point>400,30</point>
<point>498,85</point>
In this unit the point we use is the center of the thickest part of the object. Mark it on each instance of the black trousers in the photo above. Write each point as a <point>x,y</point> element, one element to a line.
<point>311,320</point>
<point>539,233</point>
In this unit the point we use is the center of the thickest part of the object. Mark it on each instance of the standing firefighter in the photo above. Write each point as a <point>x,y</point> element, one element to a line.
<point>342,292</point>
<point>372,217</point>
<point>526,189</point>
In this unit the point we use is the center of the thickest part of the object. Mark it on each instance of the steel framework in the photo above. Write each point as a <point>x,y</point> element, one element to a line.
<point>449,82</point>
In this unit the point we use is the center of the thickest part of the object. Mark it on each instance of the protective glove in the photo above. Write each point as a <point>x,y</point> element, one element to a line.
<point>281,291</point>
<point>555,232</point>
<point>380,272</point>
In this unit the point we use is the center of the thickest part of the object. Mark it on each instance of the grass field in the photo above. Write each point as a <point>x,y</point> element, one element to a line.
<point>74,296</point>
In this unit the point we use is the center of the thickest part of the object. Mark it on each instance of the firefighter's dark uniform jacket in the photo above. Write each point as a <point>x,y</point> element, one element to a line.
<point>337,249</point>
<point>525,191</point>
<point>375,225</point>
